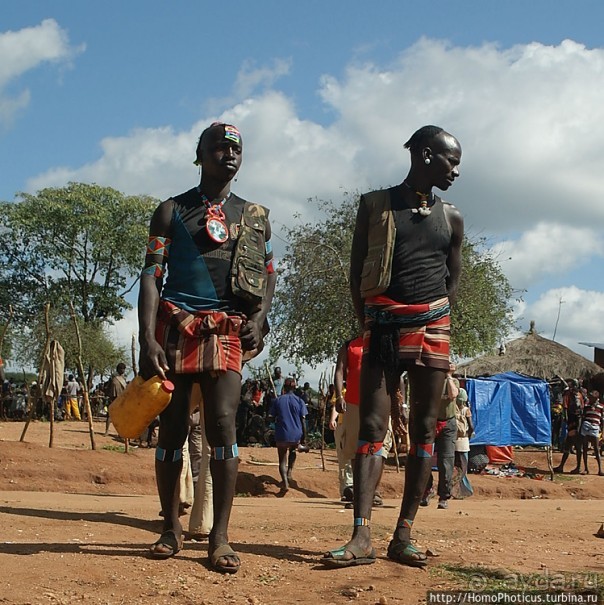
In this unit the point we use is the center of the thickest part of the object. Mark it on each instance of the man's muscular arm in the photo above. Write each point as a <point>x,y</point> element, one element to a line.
<point>357,258</point>
<point>455,221</point>
<point>152,357</point>
<point>340,376</point>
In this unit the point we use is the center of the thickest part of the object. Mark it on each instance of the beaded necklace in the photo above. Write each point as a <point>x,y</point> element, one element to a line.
<point>215,225</point>
<point>424,198</point>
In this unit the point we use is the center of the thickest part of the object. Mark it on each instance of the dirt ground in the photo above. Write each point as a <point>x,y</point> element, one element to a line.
<point>76,525</point>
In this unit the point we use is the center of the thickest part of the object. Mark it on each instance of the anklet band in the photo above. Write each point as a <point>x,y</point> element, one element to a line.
<point>371,448</point>
<point>405,523</point>
<point>422,450</point>
<point>168,455</point>
<point>361,522</point>
<point>225,452</point>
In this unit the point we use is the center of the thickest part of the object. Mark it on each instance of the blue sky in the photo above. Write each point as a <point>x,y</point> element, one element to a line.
<point>325,94</point>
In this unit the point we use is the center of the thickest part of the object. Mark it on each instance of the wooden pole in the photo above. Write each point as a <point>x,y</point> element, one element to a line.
<point>5,328</point>
<point>135,372</point>
<point>270,377</point>
<point>133,352</point>
<point>51,403</point>
<point>550,462</point>
<point>324,398</point>
<point>81,377</point>
<point>31,404</point>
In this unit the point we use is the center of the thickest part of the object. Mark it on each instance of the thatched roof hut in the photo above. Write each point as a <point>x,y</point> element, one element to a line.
<point>533,355</point>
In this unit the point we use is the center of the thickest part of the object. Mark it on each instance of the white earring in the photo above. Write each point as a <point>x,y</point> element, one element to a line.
<point>427,161</point>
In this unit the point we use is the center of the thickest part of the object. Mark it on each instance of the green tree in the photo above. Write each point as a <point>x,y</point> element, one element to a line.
<point>482,316</point>
<point>82,242</point>
<point>312,312</point>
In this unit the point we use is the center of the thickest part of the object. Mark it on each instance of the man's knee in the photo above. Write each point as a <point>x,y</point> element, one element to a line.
<point>373,427</point>
<point>422,429</point>
<point>221,429</point>
<point>172,437</point>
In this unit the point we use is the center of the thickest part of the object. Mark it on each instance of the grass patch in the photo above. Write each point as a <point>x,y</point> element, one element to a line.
<point>566,478</point>
<point>115,448</point>
<point>485,579</point>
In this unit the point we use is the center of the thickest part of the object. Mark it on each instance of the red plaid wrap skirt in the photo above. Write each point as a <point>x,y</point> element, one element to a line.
<point>424,345</point>
<point>201,341</point>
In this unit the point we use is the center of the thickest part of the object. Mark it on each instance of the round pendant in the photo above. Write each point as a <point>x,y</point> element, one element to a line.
<point>217,230</point>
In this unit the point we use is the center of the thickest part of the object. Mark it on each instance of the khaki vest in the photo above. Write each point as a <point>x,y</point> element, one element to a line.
<point>248,272</point>
<point>381,233</point>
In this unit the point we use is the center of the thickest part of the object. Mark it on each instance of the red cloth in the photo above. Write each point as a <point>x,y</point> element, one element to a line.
<point>500,454</point>
<point>204,341</point>
<point>424,345</point>
<point>353,371</point>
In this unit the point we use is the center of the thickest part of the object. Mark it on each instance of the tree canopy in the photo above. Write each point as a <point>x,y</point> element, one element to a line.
<point>81,243</point>
<point>312,313</point>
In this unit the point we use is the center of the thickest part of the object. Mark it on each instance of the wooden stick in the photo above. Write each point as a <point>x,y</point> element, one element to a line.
<point>270,377</point>
<point>82,380</point>
<point>133,352</point>
<point>5,328</point>
<point>29,407</point>
<point>324,398</point>
<point>395,444</point>
<point>51,437</point>
<point>135,372</point>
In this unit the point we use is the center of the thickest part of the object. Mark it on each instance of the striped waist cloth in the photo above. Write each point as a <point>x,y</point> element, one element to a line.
<point>382,310</point>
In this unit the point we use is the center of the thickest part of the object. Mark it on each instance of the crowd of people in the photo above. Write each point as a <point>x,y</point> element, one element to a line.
<point>69,405</point>
<point>13,401</point>
<point>577,424</point>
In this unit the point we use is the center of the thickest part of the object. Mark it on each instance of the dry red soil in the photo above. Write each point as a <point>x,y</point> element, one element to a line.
<point>76,525</point>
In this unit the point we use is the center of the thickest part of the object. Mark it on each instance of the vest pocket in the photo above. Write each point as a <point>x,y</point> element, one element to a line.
<point>248,273</point>
<point>373,275</point>
<point>248,278</point>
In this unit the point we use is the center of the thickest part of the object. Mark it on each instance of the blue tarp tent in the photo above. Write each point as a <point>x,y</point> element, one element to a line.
<point>510,409</point>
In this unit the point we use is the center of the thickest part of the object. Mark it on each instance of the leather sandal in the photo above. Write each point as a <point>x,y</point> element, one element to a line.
<point>336,558</point>
<point>406,554</point>
<point>222,552</point>
<point>170,542</point>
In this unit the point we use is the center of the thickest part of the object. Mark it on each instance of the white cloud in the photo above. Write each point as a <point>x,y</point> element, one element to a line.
<point>250,77</point>
<point>24,50</point>
<point>151,161</point>
<point>122,331</point>
<point>574,315</point>
<point>532,144</point>
<point>544,250</point>
<point>530,120</point>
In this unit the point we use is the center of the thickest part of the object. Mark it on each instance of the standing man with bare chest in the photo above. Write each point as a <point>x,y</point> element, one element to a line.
<point>404,272</point>
<point>201,322</point>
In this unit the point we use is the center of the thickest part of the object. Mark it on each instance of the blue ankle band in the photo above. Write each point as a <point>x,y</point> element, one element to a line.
<point>361,522</point>
<point>225,452</point>
<point>168,455</point>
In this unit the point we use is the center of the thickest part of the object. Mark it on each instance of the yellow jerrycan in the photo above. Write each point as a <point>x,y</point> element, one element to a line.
<point>141,401</point>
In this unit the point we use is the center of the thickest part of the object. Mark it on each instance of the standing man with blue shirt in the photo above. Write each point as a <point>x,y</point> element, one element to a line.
<point>289,412</point>
<point>201,322</point>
